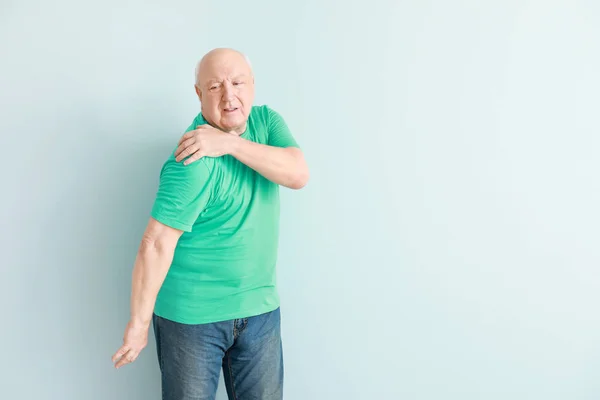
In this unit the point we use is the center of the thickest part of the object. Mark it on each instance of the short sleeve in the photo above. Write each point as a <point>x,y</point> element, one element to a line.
<point>183,192</point>
<point>278,131</point>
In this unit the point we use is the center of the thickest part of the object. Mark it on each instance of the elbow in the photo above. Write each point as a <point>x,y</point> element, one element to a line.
<point>299,180</point>
<point>300,175</point>
<point>149,245</point>
<point>158,240</point>
<point>156,245</point>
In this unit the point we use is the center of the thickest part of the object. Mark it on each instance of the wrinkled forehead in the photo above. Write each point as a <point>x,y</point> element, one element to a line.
<point>222,67</point>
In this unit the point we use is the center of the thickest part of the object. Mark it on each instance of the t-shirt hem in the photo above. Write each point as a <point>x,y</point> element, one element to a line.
<point>208,319</point>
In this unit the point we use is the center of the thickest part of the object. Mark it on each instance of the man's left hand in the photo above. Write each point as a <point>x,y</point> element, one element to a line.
<point>204,141</point>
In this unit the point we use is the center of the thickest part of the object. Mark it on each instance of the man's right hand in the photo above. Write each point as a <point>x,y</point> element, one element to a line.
<point>204,141</point>
<point>134,341</point>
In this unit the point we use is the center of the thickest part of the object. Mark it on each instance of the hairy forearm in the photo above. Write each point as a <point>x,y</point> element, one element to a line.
<point>151,266</point>
<point>284,166</point>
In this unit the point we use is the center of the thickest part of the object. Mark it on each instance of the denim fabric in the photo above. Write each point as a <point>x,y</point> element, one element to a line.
<point>248,351</point>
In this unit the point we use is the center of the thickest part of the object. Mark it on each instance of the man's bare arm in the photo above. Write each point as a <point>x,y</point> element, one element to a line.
<point>284,166</point>
<point>152,263</point>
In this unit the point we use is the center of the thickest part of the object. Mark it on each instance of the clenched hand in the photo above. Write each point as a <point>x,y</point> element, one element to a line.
<point>204,141</point>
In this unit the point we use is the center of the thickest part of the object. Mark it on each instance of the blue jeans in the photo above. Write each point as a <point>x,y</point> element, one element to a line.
<point>248,351</point>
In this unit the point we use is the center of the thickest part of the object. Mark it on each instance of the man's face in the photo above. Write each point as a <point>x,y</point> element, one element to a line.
<point>226,90</point>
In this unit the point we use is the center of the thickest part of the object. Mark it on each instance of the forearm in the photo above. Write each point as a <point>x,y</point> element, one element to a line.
<point>284,166</point>
<point>150,270</point>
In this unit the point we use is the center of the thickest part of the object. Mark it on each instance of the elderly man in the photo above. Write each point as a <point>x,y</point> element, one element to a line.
<point>205,274</point>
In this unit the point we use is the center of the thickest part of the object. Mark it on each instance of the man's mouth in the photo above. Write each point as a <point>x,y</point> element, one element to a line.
<point>232,109</point>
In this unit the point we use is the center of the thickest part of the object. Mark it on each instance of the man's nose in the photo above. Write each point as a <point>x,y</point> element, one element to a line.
<point>227,91</point>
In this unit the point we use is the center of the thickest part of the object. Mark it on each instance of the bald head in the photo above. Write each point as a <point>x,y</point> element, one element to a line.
<point>218,57</point>
<point>225,87</point>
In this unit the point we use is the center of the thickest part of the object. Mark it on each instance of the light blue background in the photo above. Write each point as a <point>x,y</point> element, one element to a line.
<point>445,248</point>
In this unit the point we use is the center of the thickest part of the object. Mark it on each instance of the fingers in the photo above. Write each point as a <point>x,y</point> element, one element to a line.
<point>190,134</point>
<point>124,356</point>
<point>187,152</point>
<point>128,358</point>
<point>124,349</point>
<point>187,135</point>
<point>186,145</point>
<point>195,157</point>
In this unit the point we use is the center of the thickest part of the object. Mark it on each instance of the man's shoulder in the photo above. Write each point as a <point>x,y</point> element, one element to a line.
<point>264,114</point>
<point>260,109</point>
<point>174,170</point>
<point>198,120</point>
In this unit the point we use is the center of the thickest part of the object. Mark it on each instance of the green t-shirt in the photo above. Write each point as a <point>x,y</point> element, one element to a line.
<point>224,263</point>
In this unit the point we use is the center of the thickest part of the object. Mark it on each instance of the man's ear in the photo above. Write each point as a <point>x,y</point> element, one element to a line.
<point>198,92</point>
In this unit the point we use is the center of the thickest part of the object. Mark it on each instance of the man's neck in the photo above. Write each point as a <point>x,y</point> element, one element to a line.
<point>239,131</point>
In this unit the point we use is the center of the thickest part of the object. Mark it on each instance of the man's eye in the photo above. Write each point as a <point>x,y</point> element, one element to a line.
<point>237,83</point>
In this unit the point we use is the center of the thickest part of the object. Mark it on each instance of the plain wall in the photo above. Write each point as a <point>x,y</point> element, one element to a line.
<point>446,246</point>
